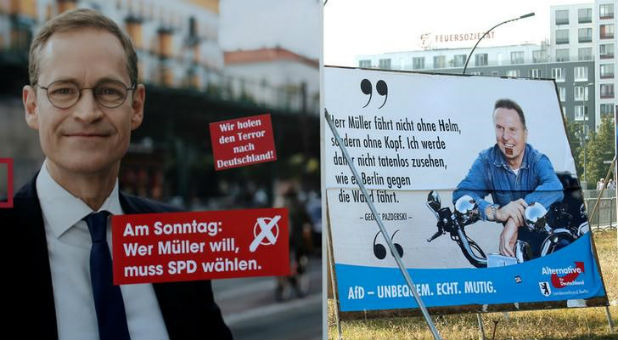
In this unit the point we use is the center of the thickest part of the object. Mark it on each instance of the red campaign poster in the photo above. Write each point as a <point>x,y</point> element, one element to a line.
<point>8,202</point>
<point>200,245</point>
<point>243,141</point>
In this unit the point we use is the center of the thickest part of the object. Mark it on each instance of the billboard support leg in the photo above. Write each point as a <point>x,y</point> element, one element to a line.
<point>610,322</point>
<point>479,318</point>
<point>378,220</point>
<point>331,263</point>
<point>493,335</point>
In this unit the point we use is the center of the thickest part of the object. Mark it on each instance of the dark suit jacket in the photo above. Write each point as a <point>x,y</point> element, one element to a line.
<point>188,308</point>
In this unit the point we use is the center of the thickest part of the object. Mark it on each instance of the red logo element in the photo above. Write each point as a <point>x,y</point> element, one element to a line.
<point>200,245</point>
<point>241,142</point>
<point>561,282</point>
<point>9,183</point>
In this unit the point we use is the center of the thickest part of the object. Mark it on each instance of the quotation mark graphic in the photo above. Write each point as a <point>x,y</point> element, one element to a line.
<point>380,251</point>
<point>381,88</point>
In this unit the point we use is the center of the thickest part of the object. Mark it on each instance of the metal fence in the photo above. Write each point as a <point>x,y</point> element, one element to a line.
<point>605,215</point>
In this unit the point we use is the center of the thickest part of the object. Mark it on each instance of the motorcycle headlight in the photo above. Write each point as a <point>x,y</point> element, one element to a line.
<point>467,209</point>
<point>535,215</point>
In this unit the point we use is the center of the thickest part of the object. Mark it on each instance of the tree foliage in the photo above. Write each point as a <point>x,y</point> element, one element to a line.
<point>575,135</point>
<point>599,151</point>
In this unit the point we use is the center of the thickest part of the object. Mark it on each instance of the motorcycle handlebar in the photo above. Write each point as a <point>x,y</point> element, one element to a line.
<point>435,236</point>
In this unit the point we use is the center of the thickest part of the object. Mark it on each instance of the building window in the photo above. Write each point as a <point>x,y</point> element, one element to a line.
<point>584,15</point>
<point>606,11</point>
<point>517,57</point>
<point>607,109</point>
<point>606,71</point>
<point>606,51</point>
<point>607,90</point>
<point>439,61</point>
<point>584,53</point>
<point>557,74</point>
<point>580,93</point>
<point>584,35</point>
<point>562,17</point>
<point>480,59</point>
<point>581,73</point>
<point>366,63</point>
<point>562,36</point>
<point>512,73</point>
<point>606,31</point>
<point>460,60</point>
<point>418,63</point>
<point>534,73</point>
<point>384,64</point>
<point>562,54</point>
<point>581,112</point>
<point>495,73</point>
<point>564,111</point>
<point>539,56</point>
<point>562,93</point>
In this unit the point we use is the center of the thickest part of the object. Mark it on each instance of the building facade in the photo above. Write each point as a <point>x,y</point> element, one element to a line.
<point>586,32</point>
<point>276,75</point>
<point>176,41</point>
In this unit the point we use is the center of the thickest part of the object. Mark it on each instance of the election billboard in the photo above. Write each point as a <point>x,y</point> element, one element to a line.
<point>476,185</point>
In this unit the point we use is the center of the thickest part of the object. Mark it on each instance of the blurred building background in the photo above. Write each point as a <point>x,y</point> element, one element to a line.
<point>191,82</point>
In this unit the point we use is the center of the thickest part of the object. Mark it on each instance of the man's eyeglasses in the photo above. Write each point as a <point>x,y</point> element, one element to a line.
<point>109,93</point>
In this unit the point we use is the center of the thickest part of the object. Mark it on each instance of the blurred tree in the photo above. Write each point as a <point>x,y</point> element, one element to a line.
<point>574,134</point>
<point>600,150</point>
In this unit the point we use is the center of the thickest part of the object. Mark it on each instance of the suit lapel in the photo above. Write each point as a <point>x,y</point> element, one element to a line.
<point>33,264</point>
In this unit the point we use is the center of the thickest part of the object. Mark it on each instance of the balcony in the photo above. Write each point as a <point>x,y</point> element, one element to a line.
<point>562,21</point>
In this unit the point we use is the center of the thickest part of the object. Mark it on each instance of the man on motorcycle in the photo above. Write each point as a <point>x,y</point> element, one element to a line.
<point>514,173</point>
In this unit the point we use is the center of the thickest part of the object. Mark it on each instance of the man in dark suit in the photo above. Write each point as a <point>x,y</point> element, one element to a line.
<point>84,100</point>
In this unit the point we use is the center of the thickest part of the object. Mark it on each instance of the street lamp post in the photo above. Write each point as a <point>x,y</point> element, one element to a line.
<point>489,30</point>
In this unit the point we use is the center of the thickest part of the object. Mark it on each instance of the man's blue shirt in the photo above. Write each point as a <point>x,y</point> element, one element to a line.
<point>536,180</point>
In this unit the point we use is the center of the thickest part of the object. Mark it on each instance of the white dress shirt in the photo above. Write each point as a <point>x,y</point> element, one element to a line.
<point>68,245</point>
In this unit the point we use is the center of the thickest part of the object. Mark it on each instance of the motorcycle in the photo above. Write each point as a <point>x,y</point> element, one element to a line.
<point>537,221</point>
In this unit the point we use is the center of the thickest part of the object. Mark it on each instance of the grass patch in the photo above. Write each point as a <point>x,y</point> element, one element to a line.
<point>572,323</point>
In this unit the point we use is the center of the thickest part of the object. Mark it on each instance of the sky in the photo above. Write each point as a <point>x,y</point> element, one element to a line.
<point>293,24</point>
<point>356,27</point>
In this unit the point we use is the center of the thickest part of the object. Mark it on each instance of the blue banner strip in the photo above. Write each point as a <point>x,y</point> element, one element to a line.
<point>570,273</point>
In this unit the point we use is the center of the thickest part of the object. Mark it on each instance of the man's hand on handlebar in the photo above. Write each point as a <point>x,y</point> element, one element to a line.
<point>508,238</point>
<point>514,210</point>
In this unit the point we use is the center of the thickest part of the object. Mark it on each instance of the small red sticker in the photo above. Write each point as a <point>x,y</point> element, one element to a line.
<point>243,141</point>
<point>200,245</point>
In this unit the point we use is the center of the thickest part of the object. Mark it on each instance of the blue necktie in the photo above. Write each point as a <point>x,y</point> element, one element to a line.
<point>111,317</point>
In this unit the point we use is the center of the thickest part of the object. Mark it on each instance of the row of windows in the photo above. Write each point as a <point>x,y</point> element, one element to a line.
<point>581,111</point>
<point>584,15</point>
<point>580,93</point>
<point>584,35</point>
<point>606,51</point>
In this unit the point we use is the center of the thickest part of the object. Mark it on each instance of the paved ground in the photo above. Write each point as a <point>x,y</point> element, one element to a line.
<point>250,310</point>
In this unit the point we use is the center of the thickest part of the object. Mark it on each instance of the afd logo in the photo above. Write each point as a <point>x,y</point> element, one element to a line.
<point>563,277</point>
